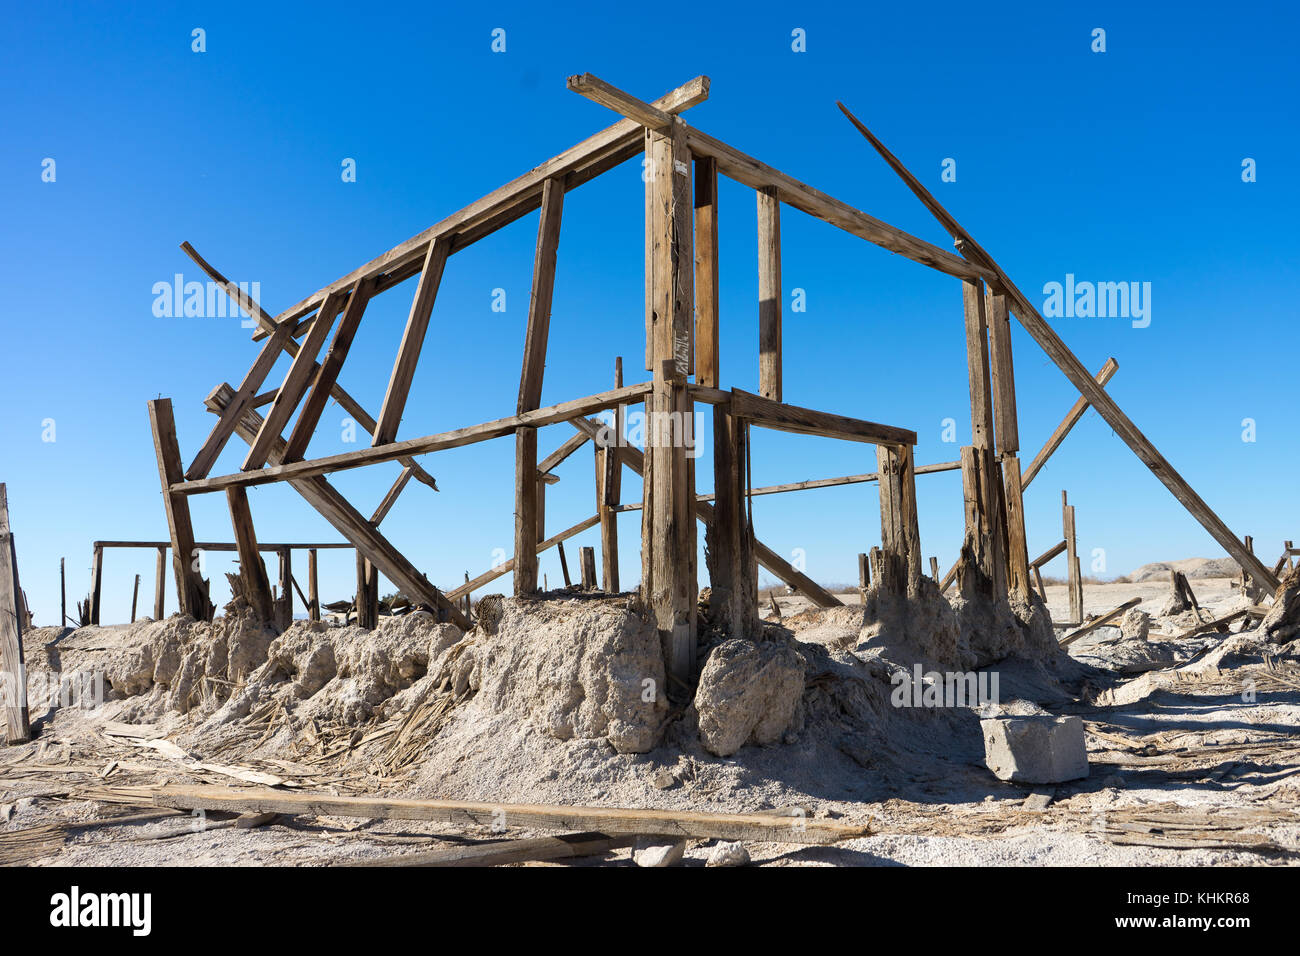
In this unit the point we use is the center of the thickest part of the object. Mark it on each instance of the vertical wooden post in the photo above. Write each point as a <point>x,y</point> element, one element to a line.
<point>135,597</point>
<point>63,595</point>
<point>610,492</point>
<point>313,589</point>
<point>367,594</point>
<point>525,511</point>
<point>864,576</point>
<point>469,604</point>
<point>13,670</point>
<point>257,589</point>
<point>668,571</point>
<point>159,584</point>
<point>769,293</point>
<point>191,589</point>
<point>729,546</point>
<point>934,568</point>
<point>899,529</point>
<point>706,271</point>
<point>1075,579</point>
<point>588,556</point>
<point>527,494</point>
<point>284,613</point>
<point>96,583</point>
<point>990,528</point>
<point>1017,550</point>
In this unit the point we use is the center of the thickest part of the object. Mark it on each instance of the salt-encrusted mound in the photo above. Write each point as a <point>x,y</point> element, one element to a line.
<point>574,669</point>
<point>748,693</point>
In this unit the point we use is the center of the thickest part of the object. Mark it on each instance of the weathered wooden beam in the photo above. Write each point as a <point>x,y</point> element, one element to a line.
<point>295,383</point>
<point>191,591</point>
<point>754,827</point>
<point>806,421</point>
<point>555,458</point>
<point>587,557</point>
<point>399,451</point>
<point>13,670</point>
<point>327,372</point>
<point>543,291</point>
<point>284,609</point>
<point>1047,555</point>
<point>1017,553</point>
<point>408,354</point>
<point>1071,419</point>
<point>135,597</point>
<point>706,272</point>
<point>225,426</point>
<point>733,574</point>
<point>222,545</point>
<point>337,392</point>
<point>160,584</point>
<point>390,498</point>
<point>313,587</point>
<point>484,853</point>
<point>769,293</point>
<point>608,483</point>
<point>526,526</point>
<point>669,579</point>
<point>598,91</point>
<point>1074,578</point>
<point>1102,621</point>
<point>96,583</point>
<point>367,599</point>
<point>594,155</point>
<point>900,537</point>
<point>1074,370</point>
<point>1002,373</point>
<point>349,522</point>
<point>251,570</point>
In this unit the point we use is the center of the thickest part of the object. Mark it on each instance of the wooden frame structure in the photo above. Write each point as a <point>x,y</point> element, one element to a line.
<point>682,165</point>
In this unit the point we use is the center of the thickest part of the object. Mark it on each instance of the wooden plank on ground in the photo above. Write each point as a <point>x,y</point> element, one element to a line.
<point>695,824</point>
<point>503,852</point>
<point>1102,621</point>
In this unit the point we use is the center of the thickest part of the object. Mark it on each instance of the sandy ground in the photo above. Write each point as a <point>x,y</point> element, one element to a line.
<point>1186,769</point>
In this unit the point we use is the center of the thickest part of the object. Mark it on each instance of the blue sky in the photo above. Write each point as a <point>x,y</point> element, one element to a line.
<point>1117,166</point>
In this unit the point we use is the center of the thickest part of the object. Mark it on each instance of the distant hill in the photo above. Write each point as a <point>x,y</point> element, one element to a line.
<point>1192,567</point>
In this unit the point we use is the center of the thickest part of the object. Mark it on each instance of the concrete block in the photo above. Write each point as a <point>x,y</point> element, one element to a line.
<point>1039,749</point>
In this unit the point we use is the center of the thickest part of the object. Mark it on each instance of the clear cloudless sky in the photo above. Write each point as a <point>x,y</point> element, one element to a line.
<point>1117,166</point>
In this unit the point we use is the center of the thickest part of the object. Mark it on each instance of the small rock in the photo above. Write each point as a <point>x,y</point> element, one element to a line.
<point>1040,749</point>
<point>664,780</point>
<point>728,854</point>
<point>658,854</point>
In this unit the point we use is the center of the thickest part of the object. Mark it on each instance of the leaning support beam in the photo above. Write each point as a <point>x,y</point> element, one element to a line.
<point>1071,419</point>
<point>294,385</point>
<point>327,373</point>
<point>1074,370</point>
<point>349,522</point>
<point>13,670</point>
<point>257,589</point>
<point>390,498</point>
<point>191,589</point>
<point>408,354</point>
<point>225,426</point>
<point>266,323</point>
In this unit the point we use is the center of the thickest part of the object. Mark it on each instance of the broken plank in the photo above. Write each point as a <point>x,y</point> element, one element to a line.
<point>695,824</point>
